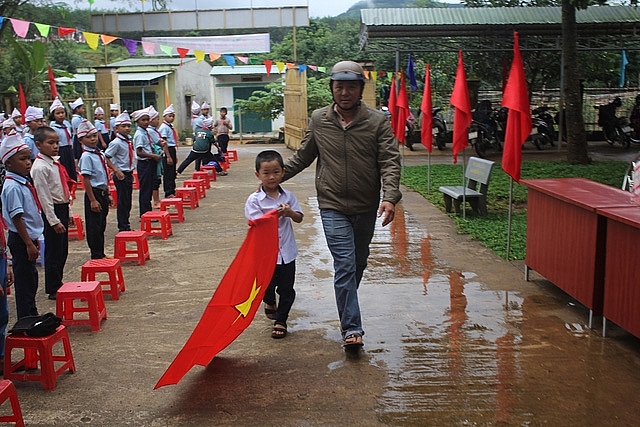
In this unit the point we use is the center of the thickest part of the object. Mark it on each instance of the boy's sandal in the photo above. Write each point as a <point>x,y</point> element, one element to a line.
<point>353,340</point>
<point>279,330</point>
<point>270,311</point>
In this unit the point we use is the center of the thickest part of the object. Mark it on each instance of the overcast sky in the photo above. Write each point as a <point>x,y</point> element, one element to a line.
<point>317,8</point>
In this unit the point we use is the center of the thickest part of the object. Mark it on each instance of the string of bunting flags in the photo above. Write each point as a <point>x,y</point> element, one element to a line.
<point>21,29</point>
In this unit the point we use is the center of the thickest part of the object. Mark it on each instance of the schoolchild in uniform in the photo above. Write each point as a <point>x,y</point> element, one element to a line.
<point>77,116</point>
<point>51,181</point>
<point>221,127</point>
<point>16,116</point>
<point>170,161</point>
<point>34,117</point>
<point>159,147</point>
<point>94,167</point>
<point>8,127</point>
<point>146,158</point>
<point>122,155</point>
<point>103,132</point>
<point>205,108</point>
<point>23,216</point>
<point>57,119</point>
<point>114,112</point>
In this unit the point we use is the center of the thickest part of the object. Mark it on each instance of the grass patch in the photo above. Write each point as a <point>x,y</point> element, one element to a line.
<point>492,229</point>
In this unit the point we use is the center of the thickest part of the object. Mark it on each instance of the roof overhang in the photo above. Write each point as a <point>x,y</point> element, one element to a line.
<point>130,79</point>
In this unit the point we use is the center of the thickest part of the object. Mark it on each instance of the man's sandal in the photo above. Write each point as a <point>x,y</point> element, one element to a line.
<point>279,330</point>
<point>270,311</point>
<point>353,341</point>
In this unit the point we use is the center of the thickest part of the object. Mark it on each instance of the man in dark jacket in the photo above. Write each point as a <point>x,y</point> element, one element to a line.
<point>357,157</point>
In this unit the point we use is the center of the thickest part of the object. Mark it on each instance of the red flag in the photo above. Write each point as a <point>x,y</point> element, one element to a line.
<point>516,99</point>
<point>426,122</point>
<point>462,111</point>
<point>393,96</point>
<point>52,83</point>
<point>23,101</point>
<point>267,64</point>
<point>235,301</point>
<point>402,108</point>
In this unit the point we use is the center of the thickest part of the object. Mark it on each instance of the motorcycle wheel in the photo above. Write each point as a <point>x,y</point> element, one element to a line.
<point>544,139</point>
<point>624,140</point>
<point>441,137</point>
<point>609,136</point>
<point>481,146</point>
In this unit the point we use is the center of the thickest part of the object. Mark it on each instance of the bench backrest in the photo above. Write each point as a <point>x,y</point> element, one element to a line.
<point>478,172</point>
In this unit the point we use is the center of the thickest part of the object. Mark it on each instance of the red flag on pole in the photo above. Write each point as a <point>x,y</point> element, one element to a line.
<point>393,96</point>
<point>23,101</point>
<point>235,301</point>
<point>52,83</point>
<point>516,99</point>
<point>426,122</point>
<point>462,110</point>
<point>402,107</point>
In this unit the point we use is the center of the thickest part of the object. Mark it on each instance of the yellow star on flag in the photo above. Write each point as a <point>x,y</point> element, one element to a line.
<point>245,307</point>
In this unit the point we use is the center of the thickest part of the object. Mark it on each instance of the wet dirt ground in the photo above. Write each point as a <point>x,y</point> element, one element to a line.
<point>454,334</point>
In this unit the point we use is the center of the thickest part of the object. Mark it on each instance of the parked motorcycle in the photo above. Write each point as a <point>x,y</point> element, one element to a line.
<point>482,138</point>
<point>543,131</point>
<point>615,129</point>
<point>438,130</point>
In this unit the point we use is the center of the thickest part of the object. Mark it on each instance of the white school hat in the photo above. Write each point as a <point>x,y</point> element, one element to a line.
<point>9,123</point>
<point>114,107</point>
<point>33,113</point>
<point>123,119</point>
<point>75,104</point>
<point>168,110</point>
<point>205,105</point>
<point>138,114</point>
<point>86,128</point>
<point>153,113</point>
<point>55,105</point>
<point>98,110</point>
<point>12,144</point>
<point>16,113</point>
<point>195,108</point>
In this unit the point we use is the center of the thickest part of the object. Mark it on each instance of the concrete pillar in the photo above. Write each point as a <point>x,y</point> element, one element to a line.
<point>107,88</point>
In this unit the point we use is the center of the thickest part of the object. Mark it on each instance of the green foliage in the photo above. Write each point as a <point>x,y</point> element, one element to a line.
<point>492,229</point>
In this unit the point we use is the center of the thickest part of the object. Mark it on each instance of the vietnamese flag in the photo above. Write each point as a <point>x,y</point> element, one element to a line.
<point>393,96</point>
<point>426,107</point>
<point>235,301</point>
<point>52,83</point>
<point>402,108</point>
<point>22,100</point>
<point>462,110</point>
<point>516,99</point>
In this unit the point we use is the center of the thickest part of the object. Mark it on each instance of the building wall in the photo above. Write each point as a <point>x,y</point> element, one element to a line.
<point>191,81</point>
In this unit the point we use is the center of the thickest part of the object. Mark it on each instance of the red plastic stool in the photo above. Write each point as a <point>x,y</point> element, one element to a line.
<point>203,175</point>
<point>160,218</point>
<point>81,184</point>
<point>91,292</point>
<point>224,165</point>
<point>113,268</point>
<point>114,197</point>
<point>136,181</point>
<point>140,253</point>
<point>176,203</point>
<point>199,184</point>
<point>8,391</point>
<point>76,228</point>
<point>232,155</point>
<point>189,196</point>
<point>213,174</point>
<point>38,349</point>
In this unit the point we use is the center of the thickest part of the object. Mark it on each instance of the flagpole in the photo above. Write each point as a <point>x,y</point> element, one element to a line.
<point>429,174</point>
<point>464,186</point>
<point>509,217</point>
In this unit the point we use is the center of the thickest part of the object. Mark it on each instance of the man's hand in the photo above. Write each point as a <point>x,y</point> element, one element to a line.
<point>59,228</point>
<point>388,209</point>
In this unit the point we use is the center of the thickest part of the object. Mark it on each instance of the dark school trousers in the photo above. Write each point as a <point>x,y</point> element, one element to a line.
<point>147,177</point>
<point>67,160</point>
<point>25,277</point>
<point>124,189</point>
<point>282,282</point>
<point>96,222</point>
<point>223,141</point>
<point>169,172</point>
<point>204,157</point>
<point>56,249</point>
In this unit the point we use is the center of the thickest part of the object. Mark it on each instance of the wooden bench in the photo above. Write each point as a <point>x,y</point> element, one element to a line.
<point>478,173</point>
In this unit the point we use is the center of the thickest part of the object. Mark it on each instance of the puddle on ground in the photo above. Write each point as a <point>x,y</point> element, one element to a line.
<point>456,352</point>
